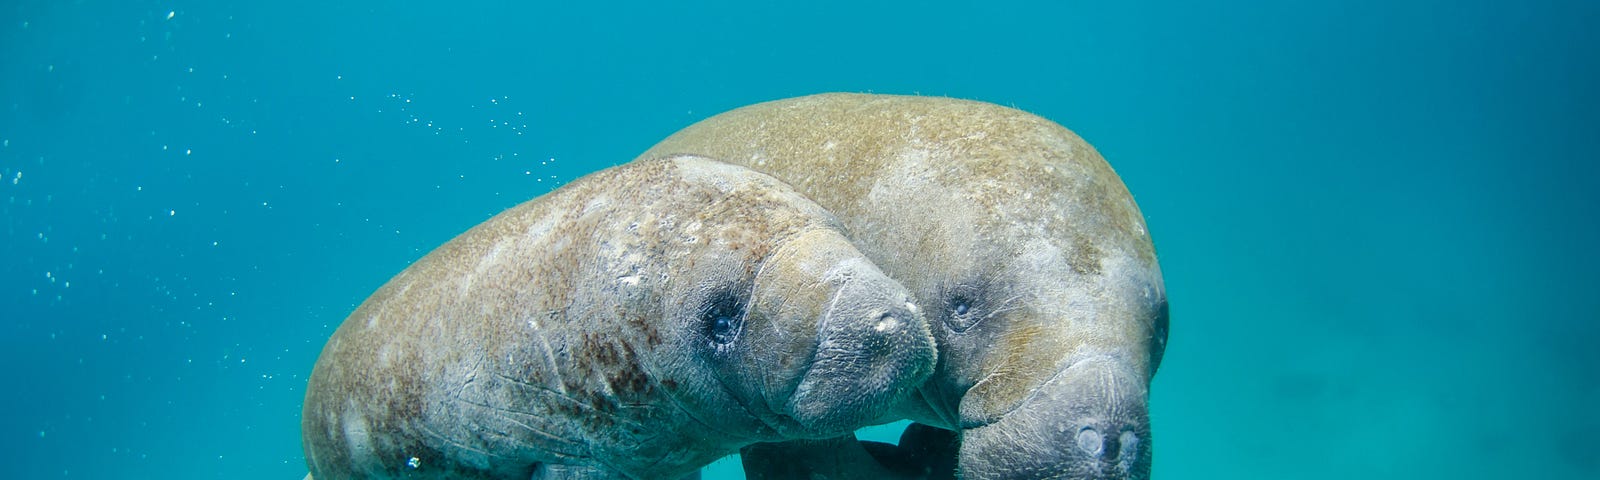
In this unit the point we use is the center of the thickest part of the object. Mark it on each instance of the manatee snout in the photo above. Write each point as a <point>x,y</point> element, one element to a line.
<point>873,348</point>
<point>1090,421</point>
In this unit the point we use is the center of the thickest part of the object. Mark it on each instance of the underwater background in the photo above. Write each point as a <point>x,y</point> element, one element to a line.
<point>1377,219</point>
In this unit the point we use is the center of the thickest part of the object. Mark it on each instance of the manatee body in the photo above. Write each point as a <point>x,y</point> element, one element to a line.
<point>639,322</point>
<point>1023,248</point>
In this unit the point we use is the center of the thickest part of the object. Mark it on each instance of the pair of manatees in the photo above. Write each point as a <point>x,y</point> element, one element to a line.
<point>844,260</point>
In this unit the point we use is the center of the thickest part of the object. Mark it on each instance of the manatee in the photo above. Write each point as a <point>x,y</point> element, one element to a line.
<point>639,322</point>
<point>1023,248</point>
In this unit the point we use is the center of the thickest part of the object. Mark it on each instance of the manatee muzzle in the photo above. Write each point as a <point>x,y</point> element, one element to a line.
<point>1090,421</point>
<point>873,349</point>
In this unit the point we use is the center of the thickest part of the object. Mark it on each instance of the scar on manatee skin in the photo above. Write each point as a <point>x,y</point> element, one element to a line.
<point>1085,259</point>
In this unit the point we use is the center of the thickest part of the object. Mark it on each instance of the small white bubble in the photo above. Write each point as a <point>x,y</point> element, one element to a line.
<point>172,213</point>
<point>171,14</point>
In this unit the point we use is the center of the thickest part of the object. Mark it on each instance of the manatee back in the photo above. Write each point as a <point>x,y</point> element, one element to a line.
<point>432,356</point>
<point>894,168</point>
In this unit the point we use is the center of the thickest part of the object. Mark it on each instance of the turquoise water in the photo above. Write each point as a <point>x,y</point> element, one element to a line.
<point>1377,220</point>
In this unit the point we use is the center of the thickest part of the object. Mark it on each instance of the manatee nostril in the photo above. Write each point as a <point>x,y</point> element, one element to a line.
<point>887,323</point>
<point>1130,445</point>
<point>1090,441</point>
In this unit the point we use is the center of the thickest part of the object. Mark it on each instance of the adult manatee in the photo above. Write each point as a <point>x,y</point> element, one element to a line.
<point>639,322</point>
<point>1021,245</point>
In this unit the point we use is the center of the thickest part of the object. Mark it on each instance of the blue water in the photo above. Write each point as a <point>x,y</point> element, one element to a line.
<point>1377,219</point>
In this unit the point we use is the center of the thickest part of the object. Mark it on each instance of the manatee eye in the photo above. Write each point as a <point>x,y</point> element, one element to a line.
<point>723,318</point>
<point>962,313</point>
<point>722,329</point>
<point>1158,336</point>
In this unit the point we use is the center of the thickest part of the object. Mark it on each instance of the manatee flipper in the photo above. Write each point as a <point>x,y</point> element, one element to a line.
<point>838,457</point>
<point>924,453</point>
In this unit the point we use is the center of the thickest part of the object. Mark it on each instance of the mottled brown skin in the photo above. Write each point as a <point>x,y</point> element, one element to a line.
<point>1020,243</point>
<point>639,322</point>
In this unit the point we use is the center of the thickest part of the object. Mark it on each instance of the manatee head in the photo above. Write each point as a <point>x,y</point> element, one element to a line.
<point>1048,303</point>
<point>789,325</point>
<point>1061,361</point>
<point>1023,248</point>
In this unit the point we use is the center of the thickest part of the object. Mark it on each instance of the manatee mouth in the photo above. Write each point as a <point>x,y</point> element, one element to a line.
<point>860,370</point>
<point>1089,421</point>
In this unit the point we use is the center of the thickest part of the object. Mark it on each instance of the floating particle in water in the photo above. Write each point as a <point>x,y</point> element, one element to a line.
<point>414,462</point>
<point>171,13</point>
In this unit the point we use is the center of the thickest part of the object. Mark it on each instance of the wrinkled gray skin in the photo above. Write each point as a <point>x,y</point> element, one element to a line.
<point>639,322</point>
<point>1021,245</point>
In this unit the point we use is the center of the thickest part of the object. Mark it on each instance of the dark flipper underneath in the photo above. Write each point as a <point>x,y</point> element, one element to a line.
<point>924,453</point>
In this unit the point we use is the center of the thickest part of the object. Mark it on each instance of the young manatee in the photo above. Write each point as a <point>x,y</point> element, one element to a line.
<point>639,322</point>
<point>1021,245</point>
